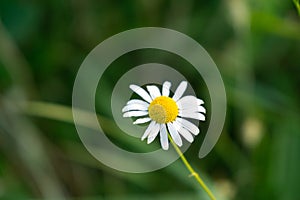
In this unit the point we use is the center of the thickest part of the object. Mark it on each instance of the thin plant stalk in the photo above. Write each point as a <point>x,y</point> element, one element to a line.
<point>191,170</point>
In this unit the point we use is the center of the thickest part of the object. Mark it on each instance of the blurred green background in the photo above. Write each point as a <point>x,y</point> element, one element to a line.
<point>255,44</point>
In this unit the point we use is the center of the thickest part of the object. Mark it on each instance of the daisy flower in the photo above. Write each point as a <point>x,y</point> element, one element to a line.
<point>165,114</point>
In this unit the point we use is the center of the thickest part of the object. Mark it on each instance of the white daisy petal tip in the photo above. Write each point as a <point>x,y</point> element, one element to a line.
<point>153,133</point>
<point>137,101</point>
<point>165,148</point>
<point>201,109</point>
<point>133,87</point>
<point>202,117</point>
<point>143,137</point>
<point>150,139</point>
<point>167,83</point>
<point>135,113</point>
<point>197,132</point>
<point>142,120</point>
<point>132,107</point>
<point>141,92</point>
<point>166,88</point>
<point>193,115</point>
<point>200,101</point>
<point>154,91</point>
<point>180,90</point>
<point>148,130</point>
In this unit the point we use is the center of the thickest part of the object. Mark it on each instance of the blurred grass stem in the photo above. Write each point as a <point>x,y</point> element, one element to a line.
<point>297,4</point>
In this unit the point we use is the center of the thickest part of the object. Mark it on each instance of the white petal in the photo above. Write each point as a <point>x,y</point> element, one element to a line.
<point>166,88</point>
<point>164,137</point>
<point>180,90</point>
<point>188,101</point>
<point>137,101</point>
<point>134,107</point>
<point>194,109</point>
<point>148,130</point>
<point>135,113</point>
<point>154,91</point>
<point>186,106</point>
<point>142,120</point>
<point>174,134</point>
<point>182,131</point>
<point>141,92</point>
<point>188,125</point>
<point>153,133</point>
<point>200,101</point>
<point>188,111</point>
<point>198,116</point>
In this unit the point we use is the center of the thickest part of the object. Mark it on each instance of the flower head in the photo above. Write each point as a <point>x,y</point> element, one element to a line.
<point>165,114</point>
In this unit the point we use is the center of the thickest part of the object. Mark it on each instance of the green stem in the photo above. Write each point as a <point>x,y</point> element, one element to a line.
<point>191,170</point>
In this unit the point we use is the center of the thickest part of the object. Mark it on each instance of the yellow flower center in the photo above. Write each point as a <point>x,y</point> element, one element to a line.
<point>163,110</point>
